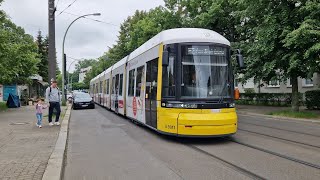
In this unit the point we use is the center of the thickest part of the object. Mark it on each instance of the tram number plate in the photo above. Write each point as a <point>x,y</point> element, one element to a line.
<point>170,127</point>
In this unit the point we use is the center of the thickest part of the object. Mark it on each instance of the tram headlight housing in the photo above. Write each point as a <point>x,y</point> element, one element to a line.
<point>179,105</point>
<point>232,105</point>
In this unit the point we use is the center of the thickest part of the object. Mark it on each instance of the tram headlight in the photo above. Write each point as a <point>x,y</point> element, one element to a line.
<point>180,105</point>
<point>232,105</point>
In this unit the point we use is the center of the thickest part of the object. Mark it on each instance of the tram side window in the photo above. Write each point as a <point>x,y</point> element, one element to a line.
<point>108,86</point>
<point>121,84</point>
<point>100,86</point>
<point>105,86</point>
<point>117,84</point>
<point>168,74</point>
<point>131,83</point>
<point>113,85</point>
<point>140,76</point>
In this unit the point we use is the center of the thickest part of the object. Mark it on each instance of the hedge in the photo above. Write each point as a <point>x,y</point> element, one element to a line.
<point>268,99</point>
<point>313,99</point>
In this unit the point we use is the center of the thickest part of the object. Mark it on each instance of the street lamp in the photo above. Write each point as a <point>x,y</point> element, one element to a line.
<point>63,59</point>
<point>69,70</point>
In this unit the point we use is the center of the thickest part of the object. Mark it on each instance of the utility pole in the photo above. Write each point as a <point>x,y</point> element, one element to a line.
<point>52,41</point>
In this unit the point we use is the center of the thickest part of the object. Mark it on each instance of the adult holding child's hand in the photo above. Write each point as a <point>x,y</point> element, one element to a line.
<point>53,100</point>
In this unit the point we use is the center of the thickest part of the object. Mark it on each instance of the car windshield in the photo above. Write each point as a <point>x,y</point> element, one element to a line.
<point>205,72</point>
<point>82,96</point>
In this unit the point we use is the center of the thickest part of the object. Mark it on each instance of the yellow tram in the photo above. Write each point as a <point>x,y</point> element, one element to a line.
<point>180,83</point>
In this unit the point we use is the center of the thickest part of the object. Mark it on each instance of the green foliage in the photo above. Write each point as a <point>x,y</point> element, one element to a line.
<point>43,45</point>
<point>313,99</point>
<point>79,86</point>
<point>284,40</point>
<point>59,80</point>
<point>135,31</point>
<point>249,90</point>
<point>286,113</point>
<point>81,64</point>
<point>3,106</point>
<point>267,99</point>
<point>221,16</point>
<point>18,53</point>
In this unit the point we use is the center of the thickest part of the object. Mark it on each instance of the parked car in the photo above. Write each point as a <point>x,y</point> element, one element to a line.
<point>69,97</point>
<point>82,100</point>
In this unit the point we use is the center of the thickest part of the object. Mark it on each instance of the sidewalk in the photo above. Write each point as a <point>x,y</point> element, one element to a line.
<point>25,148</point>
<point>265,110</point>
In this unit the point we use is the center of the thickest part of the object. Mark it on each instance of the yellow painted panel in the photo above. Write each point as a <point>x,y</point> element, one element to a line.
<point>196,122</point>
<point>207,130</point>
<point>167,120</point>
<point>159,86</point>
<point>215,119</point>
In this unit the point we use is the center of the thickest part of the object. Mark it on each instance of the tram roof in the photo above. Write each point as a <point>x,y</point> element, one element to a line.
<point>119,63</point>
<point>101,74</point>
<point>181,35</point>
<point>171,36</point>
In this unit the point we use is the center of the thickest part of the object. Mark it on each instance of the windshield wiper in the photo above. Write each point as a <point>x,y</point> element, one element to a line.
<point>223,89</point>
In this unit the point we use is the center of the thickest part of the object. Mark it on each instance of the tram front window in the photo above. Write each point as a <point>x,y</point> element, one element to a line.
<point>205,72</point>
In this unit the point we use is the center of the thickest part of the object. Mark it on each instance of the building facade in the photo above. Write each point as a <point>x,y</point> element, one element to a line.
<point>83,73</point>
<point>277,86</point>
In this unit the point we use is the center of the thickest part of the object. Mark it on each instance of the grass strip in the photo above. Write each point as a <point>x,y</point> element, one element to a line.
<point>301,114</point>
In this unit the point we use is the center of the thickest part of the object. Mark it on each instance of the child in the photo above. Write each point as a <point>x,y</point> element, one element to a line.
<point>39,107</point>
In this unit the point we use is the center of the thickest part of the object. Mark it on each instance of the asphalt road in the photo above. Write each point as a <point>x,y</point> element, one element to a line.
<point>103,145</point>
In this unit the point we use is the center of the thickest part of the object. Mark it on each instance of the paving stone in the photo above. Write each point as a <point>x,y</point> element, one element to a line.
<point>24,149</point>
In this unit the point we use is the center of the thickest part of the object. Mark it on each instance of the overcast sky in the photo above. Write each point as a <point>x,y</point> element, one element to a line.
<point>86,38</point>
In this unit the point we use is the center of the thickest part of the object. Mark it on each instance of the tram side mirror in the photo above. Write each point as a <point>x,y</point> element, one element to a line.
<point>165,58</point>
<point>240,60</point>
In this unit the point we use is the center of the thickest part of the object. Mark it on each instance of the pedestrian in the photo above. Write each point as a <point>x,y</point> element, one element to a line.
<point>39,107</point>
<point>53,97</point>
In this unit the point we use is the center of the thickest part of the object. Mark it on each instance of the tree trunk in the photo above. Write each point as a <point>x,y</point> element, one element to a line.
<point>295,94</point>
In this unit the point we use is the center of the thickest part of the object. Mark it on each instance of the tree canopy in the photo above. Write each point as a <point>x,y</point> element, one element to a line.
<point>43,66</point>
<point>285,42</point>
<point>135,31</point>
<point>18,53</point>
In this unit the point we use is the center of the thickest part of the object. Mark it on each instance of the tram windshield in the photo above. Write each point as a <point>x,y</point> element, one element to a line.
<point>205,72</point>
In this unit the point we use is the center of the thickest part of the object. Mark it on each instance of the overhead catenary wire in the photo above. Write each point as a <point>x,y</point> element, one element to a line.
<point>108,23</point>
<point>67,7</point>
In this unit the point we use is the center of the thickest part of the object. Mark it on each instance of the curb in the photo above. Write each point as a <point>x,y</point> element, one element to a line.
<point>278,117</point>
<point>55,164</point>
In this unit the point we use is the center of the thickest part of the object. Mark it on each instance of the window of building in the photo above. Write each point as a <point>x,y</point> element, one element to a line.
<point>131,83</point>
<point>274,83</point>
<point>307,82</point>
<point>140,75</point>
<point>236,82</point>
<point>289,83</point>
<point>121,84</point>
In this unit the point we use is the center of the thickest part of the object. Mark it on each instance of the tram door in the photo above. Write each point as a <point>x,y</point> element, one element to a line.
<point>151,93</point>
